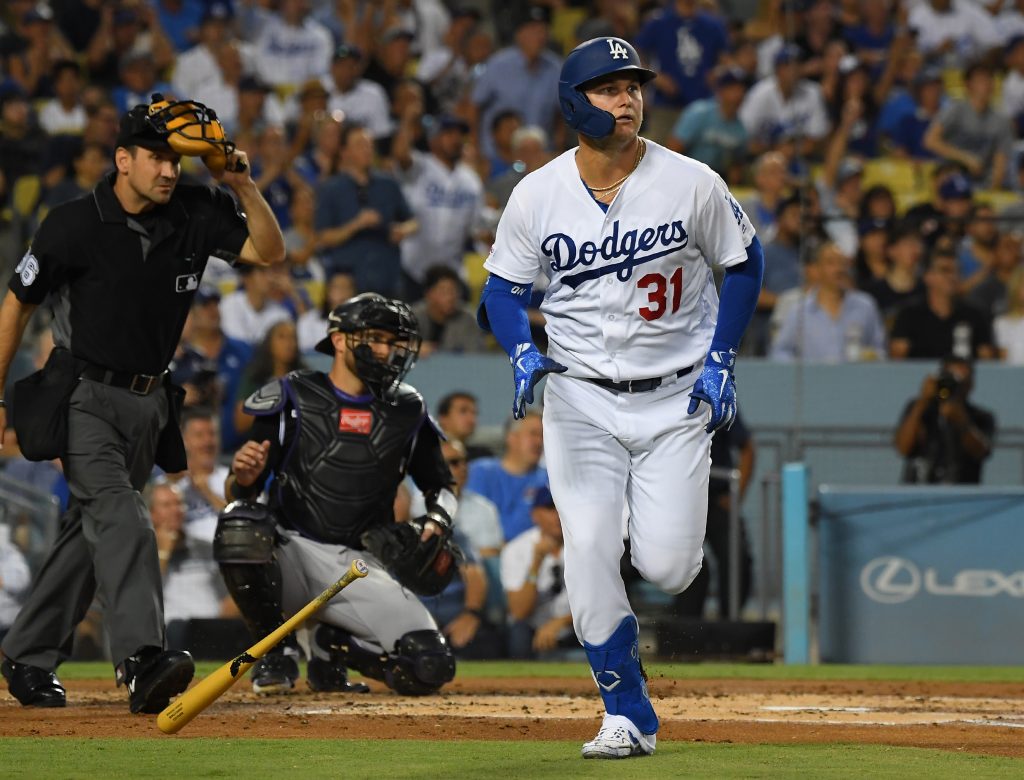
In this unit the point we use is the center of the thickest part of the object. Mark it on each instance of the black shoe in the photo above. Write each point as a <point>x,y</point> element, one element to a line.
<point>153,676</point>
<point>331,677</point>
<point>275,673</point>
<point>32,686</point>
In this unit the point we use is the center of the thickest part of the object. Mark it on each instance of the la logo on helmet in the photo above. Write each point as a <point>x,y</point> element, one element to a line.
<point>618,51</point>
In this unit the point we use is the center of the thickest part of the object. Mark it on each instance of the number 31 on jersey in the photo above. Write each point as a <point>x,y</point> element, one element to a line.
<point>656,286</point>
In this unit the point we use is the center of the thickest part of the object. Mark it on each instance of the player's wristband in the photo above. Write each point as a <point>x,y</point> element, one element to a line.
<point>477,613</point>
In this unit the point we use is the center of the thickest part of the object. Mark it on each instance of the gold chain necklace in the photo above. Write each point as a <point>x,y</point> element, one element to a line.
<point>641,150</point>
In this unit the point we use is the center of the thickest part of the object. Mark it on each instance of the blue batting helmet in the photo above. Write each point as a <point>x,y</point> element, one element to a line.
<point>591,60</point>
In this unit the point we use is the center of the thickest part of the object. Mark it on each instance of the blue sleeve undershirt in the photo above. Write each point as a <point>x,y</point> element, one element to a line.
<point>738,298</point>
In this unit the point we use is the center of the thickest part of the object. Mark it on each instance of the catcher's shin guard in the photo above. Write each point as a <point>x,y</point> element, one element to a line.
<point>243,547</point>
<point>421,663</point>
<point>620,676</point>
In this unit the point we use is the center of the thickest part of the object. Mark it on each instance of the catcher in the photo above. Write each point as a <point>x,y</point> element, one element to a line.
<point>331,450</point>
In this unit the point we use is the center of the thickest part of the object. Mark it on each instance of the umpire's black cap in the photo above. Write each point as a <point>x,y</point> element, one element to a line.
<point>137,130</point>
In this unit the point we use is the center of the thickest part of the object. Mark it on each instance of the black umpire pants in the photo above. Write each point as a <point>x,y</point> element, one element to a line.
<point>106,545</point>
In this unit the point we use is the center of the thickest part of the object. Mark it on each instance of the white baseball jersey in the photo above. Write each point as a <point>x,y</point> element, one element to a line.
<point>447,203</point>
<point>631,292</point>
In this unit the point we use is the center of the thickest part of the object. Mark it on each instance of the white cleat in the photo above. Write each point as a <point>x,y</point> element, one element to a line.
<point>619,738</point>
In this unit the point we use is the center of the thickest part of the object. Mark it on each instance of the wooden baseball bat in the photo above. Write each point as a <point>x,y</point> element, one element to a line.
<point>202,695</point>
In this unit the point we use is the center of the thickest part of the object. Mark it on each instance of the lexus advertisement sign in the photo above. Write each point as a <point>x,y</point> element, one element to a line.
<point>921,575</point>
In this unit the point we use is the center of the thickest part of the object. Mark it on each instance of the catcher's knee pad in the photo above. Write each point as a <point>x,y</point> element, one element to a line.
<point>243,547</point>
<point>422,662</point>
<point>245,533</point>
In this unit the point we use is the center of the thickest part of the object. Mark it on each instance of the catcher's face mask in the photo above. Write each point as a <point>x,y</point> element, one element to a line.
<point>383,358</point>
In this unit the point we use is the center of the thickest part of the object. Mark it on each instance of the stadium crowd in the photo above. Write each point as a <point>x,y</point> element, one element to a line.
<point>875,145</point>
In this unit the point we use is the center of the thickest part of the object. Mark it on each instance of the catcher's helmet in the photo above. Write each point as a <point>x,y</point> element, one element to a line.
<point>591,60</point>
<point>360,315</point>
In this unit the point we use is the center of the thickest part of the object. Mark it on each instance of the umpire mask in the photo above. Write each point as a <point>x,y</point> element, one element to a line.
<point>369,321</point>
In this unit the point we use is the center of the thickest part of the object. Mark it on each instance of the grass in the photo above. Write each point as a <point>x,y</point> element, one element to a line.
<point>679,671</point>
<point>107,758</point>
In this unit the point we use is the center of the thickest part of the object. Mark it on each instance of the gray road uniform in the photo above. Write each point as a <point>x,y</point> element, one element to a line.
<point>333,470</point>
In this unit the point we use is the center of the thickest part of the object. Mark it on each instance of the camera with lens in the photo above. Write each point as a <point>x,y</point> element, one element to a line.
<point>946,385</point>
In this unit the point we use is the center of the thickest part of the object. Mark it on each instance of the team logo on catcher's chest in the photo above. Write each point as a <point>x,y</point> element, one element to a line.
<point>355,421</point>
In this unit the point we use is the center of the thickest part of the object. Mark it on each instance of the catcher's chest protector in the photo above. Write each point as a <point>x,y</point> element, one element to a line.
<point>348,459</point>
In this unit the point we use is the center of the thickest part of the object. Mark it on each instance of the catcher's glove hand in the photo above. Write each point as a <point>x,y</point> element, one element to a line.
<point>717,388</point>
<point>425,568</point>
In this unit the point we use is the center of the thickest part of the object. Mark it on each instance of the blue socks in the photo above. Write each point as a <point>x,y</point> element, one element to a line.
<point>616,667</point>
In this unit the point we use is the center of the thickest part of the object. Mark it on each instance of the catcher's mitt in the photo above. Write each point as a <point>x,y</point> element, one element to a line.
<point>192,130</point>
<point>425,568</point>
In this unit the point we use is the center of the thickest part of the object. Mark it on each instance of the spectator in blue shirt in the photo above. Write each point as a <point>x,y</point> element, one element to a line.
<point>927,95</point>
<point>180,21</point>
<point>684,44</point>
<point>872,36</point>
<point>230,355</point>
<point>512,481</point>
<point>522,77</point>
<point>710,130</point>
<point>833,323</point>
<point>361,216</point>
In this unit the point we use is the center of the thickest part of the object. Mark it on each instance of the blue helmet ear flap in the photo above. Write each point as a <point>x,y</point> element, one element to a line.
<point>581,115</point>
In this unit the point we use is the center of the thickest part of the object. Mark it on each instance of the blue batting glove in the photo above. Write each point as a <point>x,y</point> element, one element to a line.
<point>716,387</point>
<point>528,367</point>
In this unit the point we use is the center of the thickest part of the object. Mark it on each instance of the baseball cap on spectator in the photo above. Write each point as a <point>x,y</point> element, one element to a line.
<point>252,84</point>
<point>849,168</point>
<point>1013,43</point>
<point>397,32</point>
<point>461,11</point>
<point>38,13</point>
<point>346,51</point>
<point>929,75</point>
<point>205,294</point>
<point>11,91</point>
<point>542,498</point>
<point>535,13</point>
<point>866,226</point>
<point>956,187</point>
<point>124,16</point>
<point>731,75</point>
<point>790,52</point>
<point>444,122</point>
<point>217,12</point>
<point>785,203</point>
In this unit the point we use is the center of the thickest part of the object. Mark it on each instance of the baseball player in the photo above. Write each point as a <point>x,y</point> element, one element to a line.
<point>641,356</point>
<point>337,446</point>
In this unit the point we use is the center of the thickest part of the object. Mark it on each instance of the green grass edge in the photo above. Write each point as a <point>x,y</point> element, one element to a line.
<point>675,671</point>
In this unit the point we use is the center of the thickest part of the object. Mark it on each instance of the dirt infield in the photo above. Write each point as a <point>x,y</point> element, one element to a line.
<point>980,717</point>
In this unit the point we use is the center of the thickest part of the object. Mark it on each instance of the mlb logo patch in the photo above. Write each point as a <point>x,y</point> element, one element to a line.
<point>355,421</point>
<point>186,283</point>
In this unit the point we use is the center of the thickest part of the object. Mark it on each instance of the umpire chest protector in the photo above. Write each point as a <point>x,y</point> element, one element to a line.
<point>345,460</point>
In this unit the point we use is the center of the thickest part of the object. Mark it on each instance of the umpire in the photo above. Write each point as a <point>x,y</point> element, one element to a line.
<point>120,267</point>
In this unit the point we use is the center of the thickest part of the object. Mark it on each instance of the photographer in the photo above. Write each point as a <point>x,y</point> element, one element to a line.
<point>944,437</point>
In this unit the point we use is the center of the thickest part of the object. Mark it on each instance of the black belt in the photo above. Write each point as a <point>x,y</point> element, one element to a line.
<point>140,384</point>
<point>639,385</point>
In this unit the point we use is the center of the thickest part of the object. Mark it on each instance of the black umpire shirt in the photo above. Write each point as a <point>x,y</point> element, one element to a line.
<point>122,284</point>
